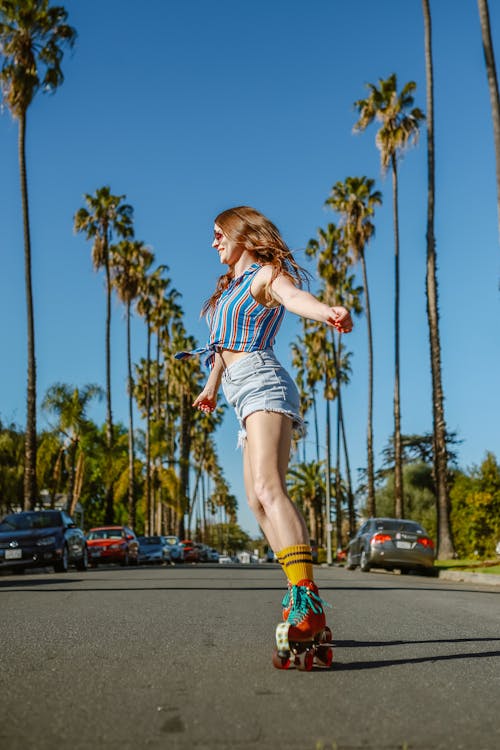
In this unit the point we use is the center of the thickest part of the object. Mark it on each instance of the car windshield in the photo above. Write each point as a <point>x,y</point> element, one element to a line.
<point>150,540</point>
<point>171,540</point>
<point>397,525</point>
<point>105,534</point>
<point>31,520</point>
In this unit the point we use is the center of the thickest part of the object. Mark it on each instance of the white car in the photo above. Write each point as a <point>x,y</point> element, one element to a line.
<point>497,549</point>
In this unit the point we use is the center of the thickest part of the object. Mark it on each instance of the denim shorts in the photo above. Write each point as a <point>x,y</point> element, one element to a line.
<point>258,382</point>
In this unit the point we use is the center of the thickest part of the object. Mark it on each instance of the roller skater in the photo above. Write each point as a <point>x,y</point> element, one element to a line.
<point>244,314</point>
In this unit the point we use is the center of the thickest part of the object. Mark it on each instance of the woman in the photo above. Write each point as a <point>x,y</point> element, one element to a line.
<point>244,314</point>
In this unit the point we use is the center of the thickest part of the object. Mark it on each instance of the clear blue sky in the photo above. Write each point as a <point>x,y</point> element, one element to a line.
<point>189,107</point>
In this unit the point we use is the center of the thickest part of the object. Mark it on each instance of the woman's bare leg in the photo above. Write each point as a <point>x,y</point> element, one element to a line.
<point>266,457</point>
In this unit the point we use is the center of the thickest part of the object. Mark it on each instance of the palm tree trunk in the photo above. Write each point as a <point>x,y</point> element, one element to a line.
<point>109,414</point>
<point>316,424</point>
<point>489,57</point>
<point>131,448</point>
<point>148,428</point>
<point>337,353</point>
<point>371,507</point>
<point>72,473</point>
<point>30,485</point>
<point>328,498</point>
<point>445,543</point>
<point>398,455</point>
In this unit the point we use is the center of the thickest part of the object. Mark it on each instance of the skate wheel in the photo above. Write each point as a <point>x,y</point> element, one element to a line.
<point>326,636</point>
<point>305,661</point>
<point>324,655</point>
<point>280,662</point>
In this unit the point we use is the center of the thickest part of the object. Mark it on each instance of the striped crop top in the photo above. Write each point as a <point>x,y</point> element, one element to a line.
<point>238,321</point>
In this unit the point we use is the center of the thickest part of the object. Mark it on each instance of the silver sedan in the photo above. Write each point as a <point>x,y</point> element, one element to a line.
<point>391,543</point>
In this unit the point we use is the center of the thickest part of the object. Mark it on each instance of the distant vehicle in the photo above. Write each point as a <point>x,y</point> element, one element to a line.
<point>176,550</point>
<point>153,549</point>
<point>203,552</point>
<point>270,556</point>
<point>225,559</point>
<point>191,553</point>
<point>213,555</point>
<point>391,543</point>
<point>497,549</point>
<point>112,544</point>
<point>42,538</point>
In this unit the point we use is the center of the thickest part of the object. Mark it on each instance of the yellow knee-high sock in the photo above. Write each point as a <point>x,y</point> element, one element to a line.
<point>296,562</point>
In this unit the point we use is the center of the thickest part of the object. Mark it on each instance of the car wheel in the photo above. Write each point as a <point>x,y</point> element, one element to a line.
<point>363,563</point>
<point>350,565</point>
<point>61,566</point>
<point>83,563</point>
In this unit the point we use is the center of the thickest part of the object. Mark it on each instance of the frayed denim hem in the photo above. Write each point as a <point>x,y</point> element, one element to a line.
<point>298,425</point>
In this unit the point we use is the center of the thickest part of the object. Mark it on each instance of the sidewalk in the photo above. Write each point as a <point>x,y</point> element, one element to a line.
<point>488,579</point>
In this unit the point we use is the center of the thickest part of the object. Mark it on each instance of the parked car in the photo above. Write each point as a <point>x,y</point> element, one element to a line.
<point>203,552</point>
<point>153,549</point>
<point>191,553</point>
<point>391,543</point>
<point>112,544</point>
<point>41,538</point>
<point>213,555</point>
<point>176,549</point>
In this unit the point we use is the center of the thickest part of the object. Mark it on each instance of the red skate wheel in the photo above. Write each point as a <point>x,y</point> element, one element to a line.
<point>324,655</point>
<point>280,662</point>
<point>305,661</point>
<point>326,636</point>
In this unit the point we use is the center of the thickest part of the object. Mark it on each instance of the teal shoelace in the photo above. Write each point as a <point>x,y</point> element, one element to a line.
<point>303,600</point>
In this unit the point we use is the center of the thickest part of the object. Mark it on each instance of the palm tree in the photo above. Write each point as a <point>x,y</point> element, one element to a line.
<point>333,264</point>
<point>355,200</point>
<point>70,405</point>
<point>399,129</point>
<point>491,72</point>
<point>151,290</point>
<point>104,216</point>
<point>440,452</point>
<point>32,37</point>
<point>306,485</point>
<point>130,260</point>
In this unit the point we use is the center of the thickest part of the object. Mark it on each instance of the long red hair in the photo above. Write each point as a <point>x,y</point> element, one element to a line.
<point>249,228</point>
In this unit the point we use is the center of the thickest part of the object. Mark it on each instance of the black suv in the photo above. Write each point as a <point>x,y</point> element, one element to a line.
<point>41,538</point>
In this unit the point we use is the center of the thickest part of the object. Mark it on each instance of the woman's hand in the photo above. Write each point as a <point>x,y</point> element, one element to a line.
<point>206,401</point>
<point>340,318</point>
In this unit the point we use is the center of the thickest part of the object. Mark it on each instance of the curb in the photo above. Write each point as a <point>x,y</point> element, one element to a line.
<point>488,579</point>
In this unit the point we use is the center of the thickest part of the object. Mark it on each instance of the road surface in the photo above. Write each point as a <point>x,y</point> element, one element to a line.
<point>179,658</point>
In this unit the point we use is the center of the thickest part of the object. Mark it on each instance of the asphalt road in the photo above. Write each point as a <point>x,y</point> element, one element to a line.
<point>180,658</point>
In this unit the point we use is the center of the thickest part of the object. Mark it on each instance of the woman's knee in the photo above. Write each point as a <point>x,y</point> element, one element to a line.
<point>268,491</point>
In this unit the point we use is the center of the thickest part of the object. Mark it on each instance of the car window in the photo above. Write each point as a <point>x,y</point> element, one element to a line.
<point>171,540</point>
<point>394,524</point>
<point>31,520</point>
<point>105,534</point>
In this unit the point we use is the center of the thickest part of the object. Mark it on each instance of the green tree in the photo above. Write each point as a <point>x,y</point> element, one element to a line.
<point>440,455</point>
<point>355,201</point>
<point>475,509</point>
<point>11,467</point>
<point>32,38</point>
<point>306,486</point>
<point>399,129</point>
<point>69,405</point>
<point>105,216</point>
<point>130,261</point>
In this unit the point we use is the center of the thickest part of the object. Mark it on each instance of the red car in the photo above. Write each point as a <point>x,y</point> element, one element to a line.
<point>112,544</point>
<point>191,553</point>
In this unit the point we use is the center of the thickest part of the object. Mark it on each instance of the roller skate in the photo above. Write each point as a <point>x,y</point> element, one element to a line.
<point>286,602</point>
<point>303,638</point>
